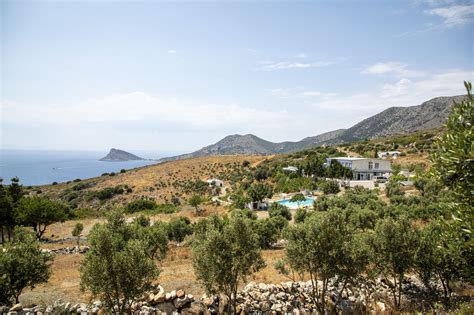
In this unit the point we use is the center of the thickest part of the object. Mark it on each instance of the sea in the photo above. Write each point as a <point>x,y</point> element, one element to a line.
<point>42,167</point>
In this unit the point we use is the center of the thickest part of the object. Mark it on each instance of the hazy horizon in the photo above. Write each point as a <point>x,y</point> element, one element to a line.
<point>177,76</point>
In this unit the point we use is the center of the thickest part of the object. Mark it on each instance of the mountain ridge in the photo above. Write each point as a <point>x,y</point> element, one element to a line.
<point>391,121</point>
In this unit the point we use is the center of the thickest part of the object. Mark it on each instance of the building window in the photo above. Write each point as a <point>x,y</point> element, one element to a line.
<point>376,166</point>
<point>371,166</point>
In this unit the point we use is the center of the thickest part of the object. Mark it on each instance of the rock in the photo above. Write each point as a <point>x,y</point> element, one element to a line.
<point>207,300</point>
<point>168,297</point>
<point>67,307</point>
<point>223,303</point>
<point>195,308</point>
<point>173,294</point>
<point>159,297</point>
<point>16,308</point>
<point>166,307</point>
<point>263,287</point>
<point>181,302</point>
<point>180,293</point>
<point>380,307</point>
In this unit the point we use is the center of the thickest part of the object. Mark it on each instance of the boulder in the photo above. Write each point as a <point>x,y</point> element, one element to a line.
<point>166,307</point>
<point>181,302</point>
<point>180,293</point>
<point>159,297</point>
<point>207,300</point>
<point>263,287</point>
<point>16,308</point>
<point>195,308</point>
<point>379,307</point>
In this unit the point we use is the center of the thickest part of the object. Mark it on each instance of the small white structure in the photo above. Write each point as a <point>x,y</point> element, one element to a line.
<point>259,205</point>
<point>214,182</point>
<point>386,154</point>
<point>291,169</point>
<point>364,168</point>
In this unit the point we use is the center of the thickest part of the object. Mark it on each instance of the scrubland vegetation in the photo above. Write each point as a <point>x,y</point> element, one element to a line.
<point>351,238</point>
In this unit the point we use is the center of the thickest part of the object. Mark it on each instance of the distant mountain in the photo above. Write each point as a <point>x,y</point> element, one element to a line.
<point>119,155</point>
<point>401,120</point>
<point>392,121</point>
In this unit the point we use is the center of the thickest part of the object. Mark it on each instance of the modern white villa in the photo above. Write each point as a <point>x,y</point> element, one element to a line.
<point>364,168</point>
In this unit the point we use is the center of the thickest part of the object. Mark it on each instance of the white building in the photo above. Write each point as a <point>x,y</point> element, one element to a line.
<point>215,182</point>
<point>386,154</point>
<point>291,169</point>
<point>364,168</point>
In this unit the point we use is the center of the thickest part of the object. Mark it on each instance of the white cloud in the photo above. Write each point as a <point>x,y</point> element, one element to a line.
<point>403,92</point>
<point>283,65</point>
<point>139,107</point>
<point>141,120</point>
<point>455,15</point>
<point>395,68</point>
<point>171,51</point>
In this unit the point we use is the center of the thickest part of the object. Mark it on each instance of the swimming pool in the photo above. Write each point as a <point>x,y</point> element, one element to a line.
<point>294,205</point>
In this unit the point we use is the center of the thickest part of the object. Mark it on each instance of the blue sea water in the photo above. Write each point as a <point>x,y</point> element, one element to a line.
<point>40,167</point>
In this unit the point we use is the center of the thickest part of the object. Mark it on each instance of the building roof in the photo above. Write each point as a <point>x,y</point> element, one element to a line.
<point>347,158</point>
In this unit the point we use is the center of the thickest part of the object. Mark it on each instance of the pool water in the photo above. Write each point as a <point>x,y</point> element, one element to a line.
<point>290,204</point>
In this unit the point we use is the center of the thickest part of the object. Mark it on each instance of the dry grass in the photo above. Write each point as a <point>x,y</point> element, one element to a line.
<point>155,181</point>
<point>177,273</point>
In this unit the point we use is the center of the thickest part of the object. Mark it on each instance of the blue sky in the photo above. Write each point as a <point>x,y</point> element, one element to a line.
<point>91,75</point>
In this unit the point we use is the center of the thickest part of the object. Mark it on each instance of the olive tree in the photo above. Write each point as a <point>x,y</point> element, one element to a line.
<point>453,162</point>
<point>258,192</point>
<point>22,265</point>
<point>394,245</point>
<point>325,247</point>
<point>440,257</point>
<point>195,201</point>
<point>453,155</point>
<point>298,198</point>
<point>277,209</point>
<point>225,254</point>
<point>119,266</point>
<point>7,217</point>
<point>76,232</point>
<point>39,213</point>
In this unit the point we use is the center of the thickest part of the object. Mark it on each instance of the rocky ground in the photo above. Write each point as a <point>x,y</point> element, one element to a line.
<point>284,298</point>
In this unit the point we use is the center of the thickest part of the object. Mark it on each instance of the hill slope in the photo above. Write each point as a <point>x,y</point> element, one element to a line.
<point>401,120</point>
<point>120,155</point>
<point>392,121</point>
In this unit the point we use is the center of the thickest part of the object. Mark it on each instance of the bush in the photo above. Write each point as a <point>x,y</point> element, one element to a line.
<point>267,232</point>
<point>300,215</point>
<point>140,205</point>
<point>330,187</point>
<point>82,186</point>
<point>109,192</point>
<point>165,208</point>
<point>277,209</point>
<point>178,228</point>
<point>22,264</point>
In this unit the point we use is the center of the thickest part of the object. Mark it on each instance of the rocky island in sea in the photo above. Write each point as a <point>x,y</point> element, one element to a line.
<point>120,155</point>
